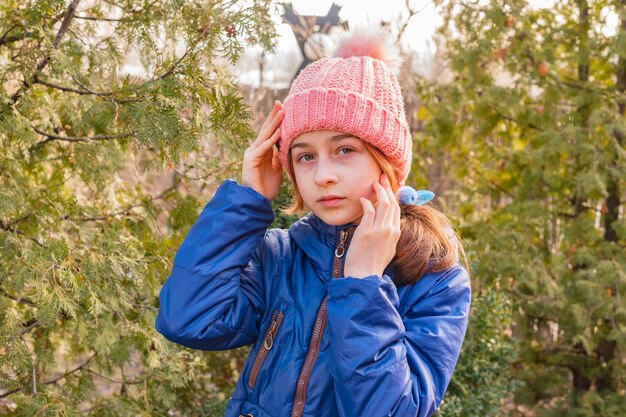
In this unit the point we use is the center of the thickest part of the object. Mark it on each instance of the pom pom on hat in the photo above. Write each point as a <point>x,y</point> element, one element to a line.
<point>372,42</point>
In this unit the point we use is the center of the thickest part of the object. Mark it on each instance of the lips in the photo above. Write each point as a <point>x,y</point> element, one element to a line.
<point>330,197</point>
<point>330,200</point>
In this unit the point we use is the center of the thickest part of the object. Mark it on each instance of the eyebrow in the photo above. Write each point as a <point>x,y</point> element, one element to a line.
<point>335,138</point>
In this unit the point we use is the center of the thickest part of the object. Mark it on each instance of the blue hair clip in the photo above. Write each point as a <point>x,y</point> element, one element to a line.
<point>407,195</point>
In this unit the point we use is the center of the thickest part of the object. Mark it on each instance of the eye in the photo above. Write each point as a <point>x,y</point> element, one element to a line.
<point>305,157</point>
<point>345,151</point>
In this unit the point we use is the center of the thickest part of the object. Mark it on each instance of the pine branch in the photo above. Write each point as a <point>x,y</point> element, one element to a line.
<point>577,84</point>
<point>8,228</point>
<point>85,139</point>
<point>98,19</point>
<point>133,11</point>
<point>18,299</point>
<point>68,373</point>
<point>6,394</point>
<point>5,39</point>
<point>500,188</point>
<point>69,14</point>
<point>141,306</point>
<point>514,120</point>
<point>203,177</point>
<point>71,10</point>
<point>33,359</point>
<point>30,325</point>
<point>172,68</point>
<point>14,221</point>
<point>10,39</point>
<point>57,379</point>
<point>85,91</point>
<point>5,34</point>
<point>74,90</point>
<point>127,209</point>
<point>117,381</point>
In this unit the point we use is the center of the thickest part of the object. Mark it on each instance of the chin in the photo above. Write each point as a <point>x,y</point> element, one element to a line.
<point>337,219</point>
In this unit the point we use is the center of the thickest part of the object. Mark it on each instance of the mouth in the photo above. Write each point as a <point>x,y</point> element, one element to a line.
<point>330,201</point>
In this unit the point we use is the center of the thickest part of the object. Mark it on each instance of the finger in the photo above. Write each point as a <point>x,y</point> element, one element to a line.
<point>397,215</point>
<point>270,124</point>
<point>271,128</point>
<point>382,205</point>
<point>275,161</point>
<point>394,207</point>
<point>368,214</point>
<point>273,112</point>
<point>268,129</point>
<point>266,145</point>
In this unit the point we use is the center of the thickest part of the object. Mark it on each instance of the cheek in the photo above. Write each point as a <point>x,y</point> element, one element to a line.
<point>366,190</point>
<point>303,184</point>
<point>366,186</point>
<point>298,176</point>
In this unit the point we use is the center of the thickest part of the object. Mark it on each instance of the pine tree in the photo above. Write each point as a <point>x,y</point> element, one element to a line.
<point>533,118</point>
<point>92,157</point>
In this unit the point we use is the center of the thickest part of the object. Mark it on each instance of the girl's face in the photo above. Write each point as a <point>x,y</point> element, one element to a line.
<point>333,171</point>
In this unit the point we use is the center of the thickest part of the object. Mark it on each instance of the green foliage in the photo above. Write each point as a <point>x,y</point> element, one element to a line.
<point>97,192</point>
<point>482,380</point>
<point>281,202</point>
<point>533,122</point>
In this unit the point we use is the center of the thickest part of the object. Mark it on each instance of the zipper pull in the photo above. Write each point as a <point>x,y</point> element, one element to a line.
<point>269,340</point>
<point>341,246</point>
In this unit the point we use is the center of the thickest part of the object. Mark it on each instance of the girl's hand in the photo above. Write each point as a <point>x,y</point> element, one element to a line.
<point>261,168</point>
<point>374,241</point>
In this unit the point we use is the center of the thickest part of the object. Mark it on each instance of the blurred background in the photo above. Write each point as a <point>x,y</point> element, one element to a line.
<point>119,118</point>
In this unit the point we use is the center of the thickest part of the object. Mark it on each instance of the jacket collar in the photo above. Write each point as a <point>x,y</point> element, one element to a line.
<point>317,239</point>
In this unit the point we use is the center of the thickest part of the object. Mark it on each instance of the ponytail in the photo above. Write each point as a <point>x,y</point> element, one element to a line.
<point>428,242</point>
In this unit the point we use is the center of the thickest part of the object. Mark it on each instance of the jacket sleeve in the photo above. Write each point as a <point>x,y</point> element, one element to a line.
<point>213,298</point>
<point>387,365</point>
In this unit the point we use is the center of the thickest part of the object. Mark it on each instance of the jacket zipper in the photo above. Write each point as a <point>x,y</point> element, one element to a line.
<point>266,346</point>
<point>318,329</point>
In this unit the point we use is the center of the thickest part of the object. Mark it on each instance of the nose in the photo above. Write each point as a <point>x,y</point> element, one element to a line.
<point>325,173</point>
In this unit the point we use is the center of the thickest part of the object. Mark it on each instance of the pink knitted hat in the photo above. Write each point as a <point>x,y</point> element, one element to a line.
<point>354,91</point>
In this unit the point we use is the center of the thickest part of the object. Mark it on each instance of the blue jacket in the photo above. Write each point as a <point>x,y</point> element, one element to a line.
<point>323,346</point>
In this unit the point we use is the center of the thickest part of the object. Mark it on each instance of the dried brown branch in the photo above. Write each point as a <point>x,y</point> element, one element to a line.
<point>67,19</point>
<point>412,13</point>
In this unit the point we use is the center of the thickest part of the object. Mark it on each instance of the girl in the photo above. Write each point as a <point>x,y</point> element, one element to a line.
<point>360,308</point>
